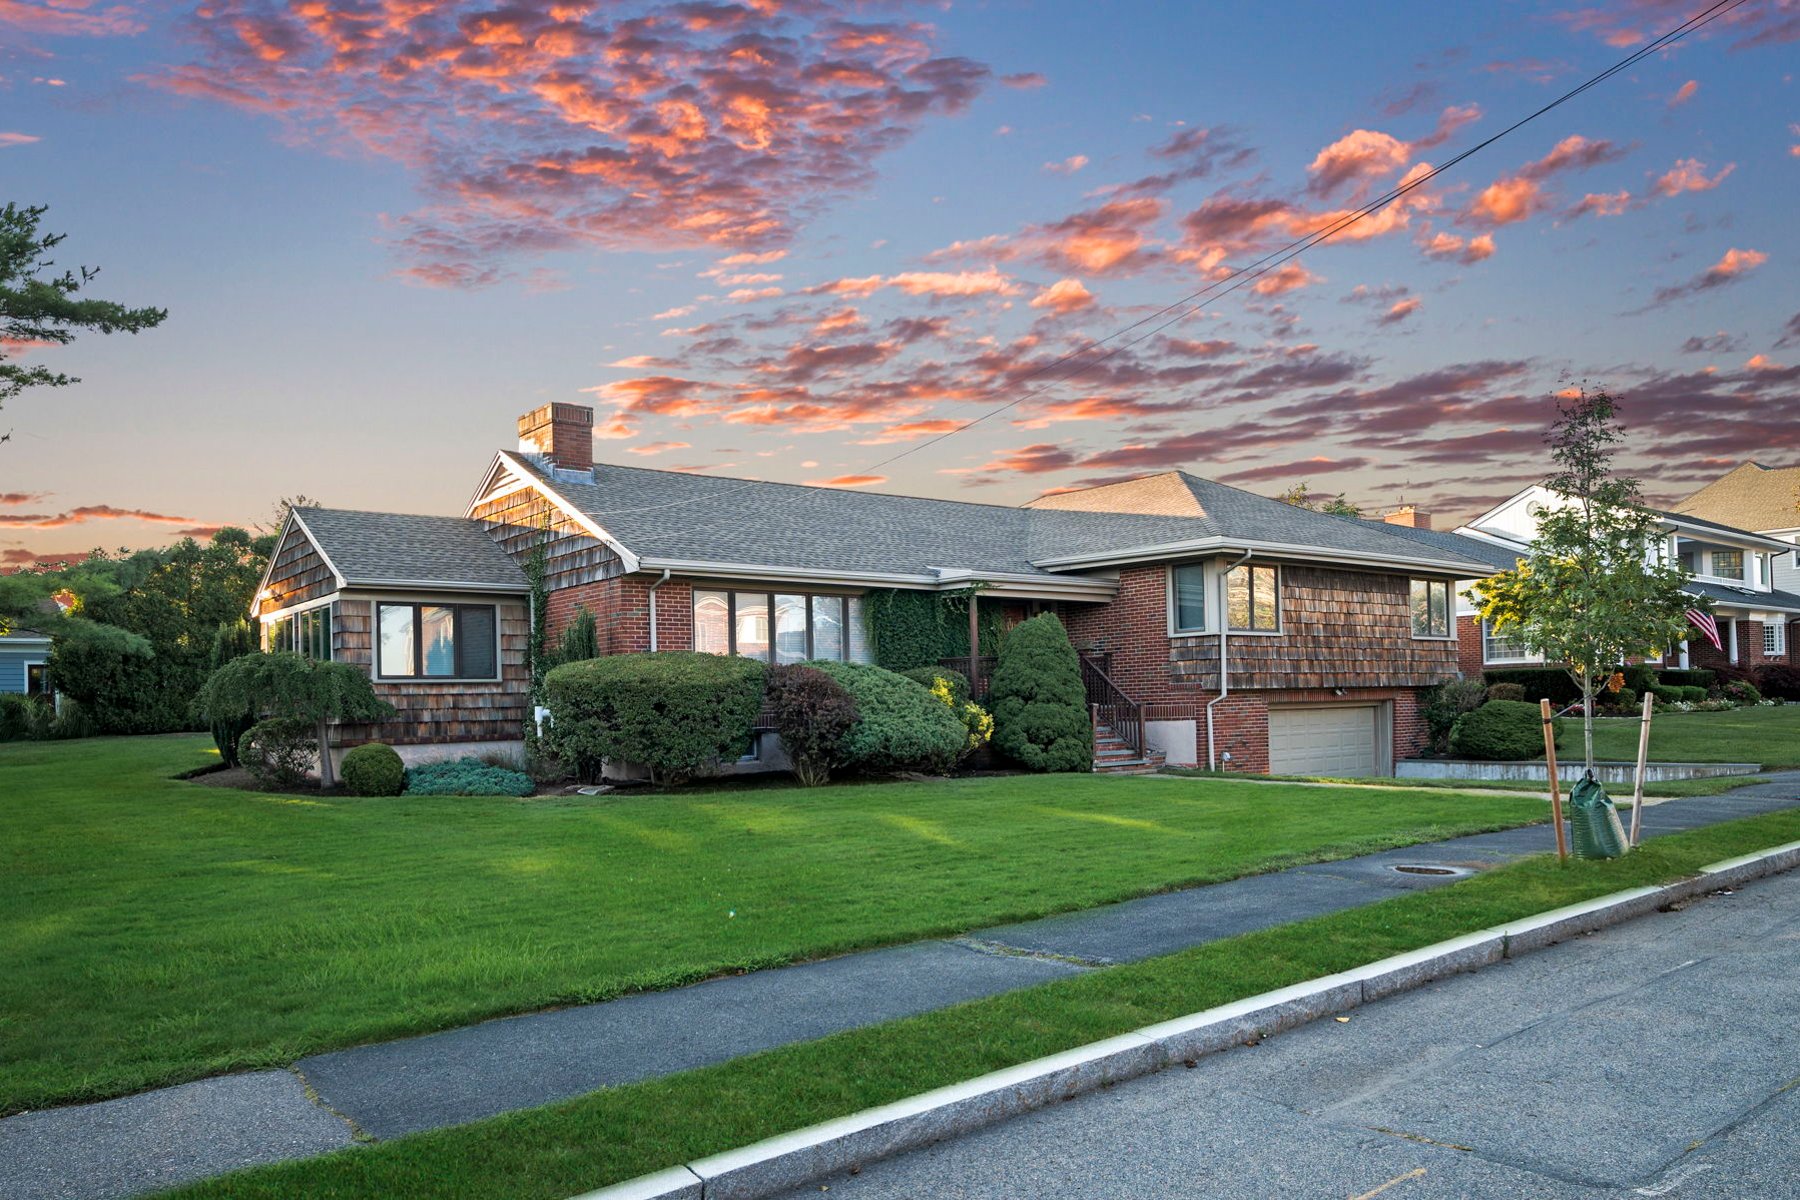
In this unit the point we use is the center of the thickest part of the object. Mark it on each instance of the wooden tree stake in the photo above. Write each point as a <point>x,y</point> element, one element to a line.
<point>1562,839</point>
<point>1637,791</point>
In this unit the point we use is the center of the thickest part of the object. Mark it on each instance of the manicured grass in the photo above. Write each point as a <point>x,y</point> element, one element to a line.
<point>1620,793</point>
<point>1767,735</point>
<point>620,1133</point>
<point>157,930</point>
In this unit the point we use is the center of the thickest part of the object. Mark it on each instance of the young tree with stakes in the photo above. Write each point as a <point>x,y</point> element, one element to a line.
<point>1598,588</point>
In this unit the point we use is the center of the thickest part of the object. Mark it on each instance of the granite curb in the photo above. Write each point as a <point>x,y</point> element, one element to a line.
<point>779,1164</point>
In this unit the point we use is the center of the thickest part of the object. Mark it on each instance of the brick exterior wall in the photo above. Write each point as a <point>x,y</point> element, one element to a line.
<point>1468,646</point>
<point>1342,629</point>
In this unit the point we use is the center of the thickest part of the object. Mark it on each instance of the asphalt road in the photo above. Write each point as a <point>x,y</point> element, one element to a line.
<point>1657,1058</point>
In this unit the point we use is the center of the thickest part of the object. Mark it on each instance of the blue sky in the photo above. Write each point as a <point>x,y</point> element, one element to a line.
<point>382,233</point>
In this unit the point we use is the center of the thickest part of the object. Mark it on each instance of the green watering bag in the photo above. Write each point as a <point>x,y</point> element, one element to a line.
<point>1594,821</point>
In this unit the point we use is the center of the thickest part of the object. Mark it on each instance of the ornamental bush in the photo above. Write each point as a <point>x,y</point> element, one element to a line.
<point>1540,683</point>
<point>466,777</point>
<point>1740,691</point>
<point>232,640</point>
<point>1505,691</point>
<point>900,726</point>
<point>23,718</point>
<point>1448,701</point>
<point>814,715</point>
<point>1683,677</point>
<point>1503,729</point>
<point>678,712</point>
<point>1693,695</point>
<point>373,769</point>
<point>278,751</point>
<point>1040,706</point>
<point>931,676</point>
<point>1779,682</point>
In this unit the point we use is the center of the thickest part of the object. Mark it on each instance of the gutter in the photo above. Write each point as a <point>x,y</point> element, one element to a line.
<point>1224,675</point>
<point>653,587</point>
<point>1458,567</point>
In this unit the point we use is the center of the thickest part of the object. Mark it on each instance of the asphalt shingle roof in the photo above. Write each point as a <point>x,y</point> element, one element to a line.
<point>1751,497</point>
<point>377,549</point>
<point>1744,597</point>
<point>701,518</point>
<point>1498,557</point>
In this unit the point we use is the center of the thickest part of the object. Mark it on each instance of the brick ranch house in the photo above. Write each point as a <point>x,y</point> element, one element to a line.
<point>1736,570</point>
<point>1217,626</point>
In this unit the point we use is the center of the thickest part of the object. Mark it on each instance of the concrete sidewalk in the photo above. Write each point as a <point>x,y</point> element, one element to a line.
<point>162,1138</point>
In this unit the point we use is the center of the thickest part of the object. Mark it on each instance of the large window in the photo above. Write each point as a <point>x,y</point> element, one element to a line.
<point>1775,639</point>
<point>307,633</point>
<point>1727,564</point>
<point>436,641</point>
<point>1250,599</point>
<point>1504,648</point>
<point>1431,608</point>
<point>789,627</point>
<point>1188,583</point>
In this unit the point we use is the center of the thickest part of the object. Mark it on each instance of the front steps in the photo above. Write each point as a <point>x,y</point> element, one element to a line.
<point>1113,757</point>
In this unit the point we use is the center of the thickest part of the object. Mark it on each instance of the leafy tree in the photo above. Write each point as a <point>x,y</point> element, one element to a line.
<point>291,687</point>
<point>1300,496</point>
<point>39,306</point>
<point>1596,589</point>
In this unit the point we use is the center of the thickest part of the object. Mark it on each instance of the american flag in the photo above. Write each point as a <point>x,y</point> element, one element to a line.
<point>1704,622</point>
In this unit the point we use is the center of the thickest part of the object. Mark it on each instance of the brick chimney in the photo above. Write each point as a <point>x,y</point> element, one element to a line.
<point>562,433</point>
<point>1409,516</point>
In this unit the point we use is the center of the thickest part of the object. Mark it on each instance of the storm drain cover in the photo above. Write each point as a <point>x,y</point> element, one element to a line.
<point>1422,869</point>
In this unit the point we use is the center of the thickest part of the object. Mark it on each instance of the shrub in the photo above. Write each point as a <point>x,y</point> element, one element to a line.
<point>1682,677</point>
<point>71,720</point>
<point>1505,729</point>
<point>1040,706</point>
<point>283,684</point>
<point>1624,700</point>
<point>1672,695</point>
<point>466,777</point>
<point>581,640</point>
<point>977,722</point>
<point>1779,682</point>
<point>1540,683</point>
<point>1740,691</point>
<point>1505,691</point>
<point>1448,701</point>
<point>279,750</point>
<point>678,712</point>
<point>899,726</point>
<point>105,669</point>
<point>1730,674</point>
<point>232,640</point>
<point>814,716</point>
<point>929,677</point>
<point>23,718</point>
<point>373,769</point>
<point>1693,695</point>
<point>1640,677</point>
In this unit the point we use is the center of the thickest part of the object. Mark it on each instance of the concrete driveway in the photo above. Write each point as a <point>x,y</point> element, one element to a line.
<point>1657,1058</point>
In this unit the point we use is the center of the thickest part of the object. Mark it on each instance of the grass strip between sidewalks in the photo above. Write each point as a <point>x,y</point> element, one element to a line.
<point>617,1134</point>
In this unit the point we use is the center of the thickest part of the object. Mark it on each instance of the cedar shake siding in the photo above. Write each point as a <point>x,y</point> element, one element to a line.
<point>434,712</point>
<point>572,556</point>
<point>297,574</point>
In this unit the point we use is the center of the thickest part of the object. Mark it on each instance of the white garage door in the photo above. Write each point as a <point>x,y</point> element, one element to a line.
<point>1338,741</point>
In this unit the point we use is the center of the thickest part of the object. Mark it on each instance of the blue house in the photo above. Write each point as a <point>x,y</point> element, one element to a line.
<point>23,655</point>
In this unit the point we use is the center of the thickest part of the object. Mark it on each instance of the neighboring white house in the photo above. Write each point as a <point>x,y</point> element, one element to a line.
<point>1737,569</point>
<point>1766,499</point>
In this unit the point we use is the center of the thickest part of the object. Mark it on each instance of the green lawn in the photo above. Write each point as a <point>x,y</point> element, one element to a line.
<point>619,1133</point>
<point>156,930</point>
<point>1770,736</point>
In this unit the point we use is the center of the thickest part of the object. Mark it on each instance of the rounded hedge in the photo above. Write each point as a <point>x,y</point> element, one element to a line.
<point>1499,729</point>
<point>678,712</point>
<point>373,769</point>
<point>900,725</point>
<point>1039,704</point>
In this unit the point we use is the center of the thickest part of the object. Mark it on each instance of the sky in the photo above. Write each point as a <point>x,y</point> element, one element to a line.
<point>794,240</point>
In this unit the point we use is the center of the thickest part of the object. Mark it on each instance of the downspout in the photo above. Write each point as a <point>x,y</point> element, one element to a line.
<point>1212,762</point>
<point>653,587</point>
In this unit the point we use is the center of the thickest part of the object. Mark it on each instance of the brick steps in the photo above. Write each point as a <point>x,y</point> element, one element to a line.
<point>1113,757</point>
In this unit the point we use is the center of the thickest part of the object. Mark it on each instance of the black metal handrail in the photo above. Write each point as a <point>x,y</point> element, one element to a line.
<point>1110,706</point>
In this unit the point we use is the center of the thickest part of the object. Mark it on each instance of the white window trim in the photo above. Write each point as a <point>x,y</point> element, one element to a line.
<point>1528,659</point>
<point>1450,613</point>
<point>432,680</point>
<point>1214,575</point>
<point>1775,639</point>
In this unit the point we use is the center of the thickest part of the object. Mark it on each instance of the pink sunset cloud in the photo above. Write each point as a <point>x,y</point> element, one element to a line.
<point>1063,297</point>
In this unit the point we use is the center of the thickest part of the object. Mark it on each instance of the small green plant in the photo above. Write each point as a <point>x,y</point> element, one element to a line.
<point>814,715</point>
<point>466,777</point>
<point>1040,706</point>
<point>278,751</point>
<point>1505,691</point>
<point>1506,730</point>
<point>581,640</point>
<point>23,718</point>
<point>976,720</point>
<point>931,676</point>
<point>1740,692</point>
<point>1448,701</point>
<point>899,726</point>
<point>373,769</point>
